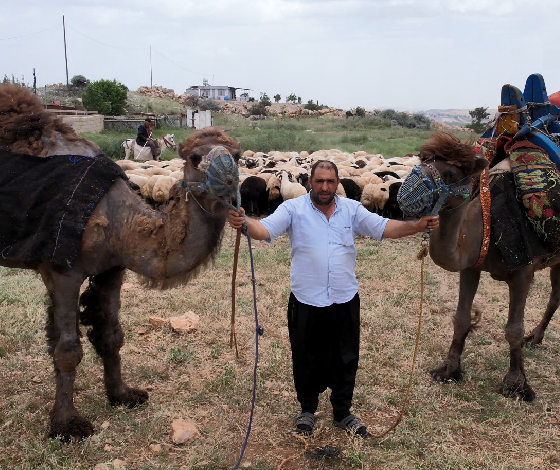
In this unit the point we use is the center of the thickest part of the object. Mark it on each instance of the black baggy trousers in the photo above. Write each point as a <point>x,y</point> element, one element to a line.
<point>325,344</point>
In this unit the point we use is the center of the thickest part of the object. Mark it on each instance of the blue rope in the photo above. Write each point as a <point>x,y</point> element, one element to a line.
<point>259,331</point>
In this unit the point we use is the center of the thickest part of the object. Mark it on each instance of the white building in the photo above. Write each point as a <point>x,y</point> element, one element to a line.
<point>213,92</point>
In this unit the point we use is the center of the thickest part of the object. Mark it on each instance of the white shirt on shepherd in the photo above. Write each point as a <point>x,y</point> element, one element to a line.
<point>323,251</point>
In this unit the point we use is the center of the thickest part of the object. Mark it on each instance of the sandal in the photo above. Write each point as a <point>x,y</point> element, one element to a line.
<point>352,425</point>
<point>305,422</point>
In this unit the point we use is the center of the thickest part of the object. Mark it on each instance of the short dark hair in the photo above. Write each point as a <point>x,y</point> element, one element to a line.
<point>147,120</point>
<point>324,164</point>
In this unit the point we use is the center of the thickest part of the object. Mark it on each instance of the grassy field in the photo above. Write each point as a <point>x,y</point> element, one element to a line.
<point>285,134</point>
<point>465,425</point>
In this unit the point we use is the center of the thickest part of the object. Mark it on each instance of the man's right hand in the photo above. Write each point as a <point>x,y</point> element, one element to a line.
<point>236,219</point>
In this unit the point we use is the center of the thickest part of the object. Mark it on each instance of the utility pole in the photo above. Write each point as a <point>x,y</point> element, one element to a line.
<point>34,81</point>
<point>65,55</point>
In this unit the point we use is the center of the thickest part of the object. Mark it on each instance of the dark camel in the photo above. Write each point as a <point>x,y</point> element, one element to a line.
<point>166,247</point>
<point>455,246</point>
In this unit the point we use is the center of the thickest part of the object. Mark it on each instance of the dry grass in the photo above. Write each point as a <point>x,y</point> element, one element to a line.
<point>453,426</point>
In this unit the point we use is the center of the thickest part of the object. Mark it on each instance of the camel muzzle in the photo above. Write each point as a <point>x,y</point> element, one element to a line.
<point>221,177</point>
<point>421,195</point>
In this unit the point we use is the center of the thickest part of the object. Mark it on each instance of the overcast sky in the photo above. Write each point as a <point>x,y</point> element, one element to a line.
<point>402,54</point>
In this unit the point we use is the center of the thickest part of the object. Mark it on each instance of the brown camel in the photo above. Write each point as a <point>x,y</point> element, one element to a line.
<point>165,247</point>
<point>456,246</point>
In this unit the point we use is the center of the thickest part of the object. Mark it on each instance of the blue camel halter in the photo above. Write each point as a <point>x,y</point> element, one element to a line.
<point>221,177</point>
<point>422,195</point>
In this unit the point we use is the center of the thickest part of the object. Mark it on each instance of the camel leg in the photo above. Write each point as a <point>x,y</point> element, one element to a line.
<point>101,302</point>
<point>536,336</point>
<point>451,368</point>
<point>515,383</point>
<point>66,351</point>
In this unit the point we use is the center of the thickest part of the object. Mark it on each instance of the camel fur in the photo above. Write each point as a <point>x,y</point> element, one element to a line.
<point>165,247</point>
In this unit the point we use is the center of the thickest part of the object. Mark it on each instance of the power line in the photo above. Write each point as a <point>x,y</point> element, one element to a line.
<point>107,45</point>
<point>30,34</point>
<point>177,65</point>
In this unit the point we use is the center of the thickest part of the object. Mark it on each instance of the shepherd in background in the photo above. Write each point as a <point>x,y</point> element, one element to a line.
<point>144,138</point>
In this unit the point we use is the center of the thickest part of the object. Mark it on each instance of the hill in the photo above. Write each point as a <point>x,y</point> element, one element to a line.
<point>161,100</point>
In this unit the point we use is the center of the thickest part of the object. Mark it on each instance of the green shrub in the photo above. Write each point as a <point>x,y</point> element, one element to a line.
<point>265,100</point>
<point>106,97</point>
<point>79,81</point>
<point>258,109</point>
<point>206,104</point>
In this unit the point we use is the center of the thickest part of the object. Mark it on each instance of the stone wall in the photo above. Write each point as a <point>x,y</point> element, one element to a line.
<point>84,123</point>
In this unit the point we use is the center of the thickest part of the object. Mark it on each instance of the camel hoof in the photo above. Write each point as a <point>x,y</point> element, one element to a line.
<point>72,430</point>
<point>533,339</point>
<point>445,374</point>
<point>131,397</point>
<point>517,388</point>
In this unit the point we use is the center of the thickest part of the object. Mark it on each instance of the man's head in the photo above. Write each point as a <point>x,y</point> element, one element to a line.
<point>324,182</point>
<point>148,122</point>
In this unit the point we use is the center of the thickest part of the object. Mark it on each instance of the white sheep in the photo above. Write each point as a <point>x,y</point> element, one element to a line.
<point>290,190</point>
<point>162,187</point>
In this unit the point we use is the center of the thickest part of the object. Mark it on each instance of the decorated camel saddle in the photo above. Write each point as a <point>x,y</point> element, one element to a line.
<point>522,146</point>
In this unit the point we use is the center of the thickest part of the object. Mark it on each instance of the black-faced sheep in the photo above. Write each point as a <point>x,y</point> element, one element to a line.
<point>351,189</point>
<point>391,209</point>
<point>254,196</point>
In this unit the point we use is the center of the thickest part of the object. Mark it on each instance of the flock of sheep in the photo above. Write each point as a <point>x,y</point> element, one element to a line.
<point>268,179</point>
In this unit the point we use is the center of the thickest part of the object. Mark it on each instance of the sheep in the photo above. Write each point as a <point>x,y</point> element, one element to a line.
<point>391,208</point>
<point>148,187</point>
<point>154,170</point>
<point>162,187</point>
<point>254,198</point>
<point>374,196</point>
<point>351,189</point>
<point>290,190</point>
<point>137,179</point>
<point>340,190</point>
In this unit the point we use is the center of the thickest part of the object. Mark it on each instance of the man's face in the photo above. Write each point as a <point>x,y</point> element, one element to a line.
<point>323,186</point>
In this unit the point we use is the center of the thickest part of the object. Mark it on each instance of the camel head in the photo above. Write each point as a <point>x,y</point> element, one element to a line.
<point>443,178</point>
<point>211,159</point>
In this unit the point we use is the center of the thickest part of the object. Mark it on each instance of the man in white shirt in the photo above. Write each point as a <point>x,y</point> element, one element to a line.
<point>324,305</point>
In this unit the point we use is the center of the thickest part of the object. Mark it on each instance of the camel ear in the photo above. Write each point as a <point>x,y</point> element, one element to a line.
<point>479,166</point>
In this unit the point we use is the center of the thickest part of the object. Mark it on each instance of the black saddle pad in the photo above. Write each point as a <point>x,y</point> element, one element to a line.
<point>511,232</point>
<point>45,203</point>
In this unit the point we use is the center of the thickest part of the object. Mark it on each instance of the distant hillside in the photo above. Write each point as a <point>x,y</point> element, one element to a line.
<point>453,117</point>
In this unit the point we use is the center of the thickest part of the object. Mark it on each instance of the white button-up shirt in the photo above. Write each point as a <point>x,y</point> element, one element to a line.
<point>323,251</point>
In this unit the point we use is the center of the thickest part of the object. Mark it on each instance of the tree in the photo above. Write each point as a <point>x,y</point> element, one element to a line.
<point>277,98</point>
<point>106,97</point>
<point>359,111</point>
<point>265,100</point>
<point>299,99</point>
<point>79,81</point>
<point>478,115</point>
<point>292,98</point>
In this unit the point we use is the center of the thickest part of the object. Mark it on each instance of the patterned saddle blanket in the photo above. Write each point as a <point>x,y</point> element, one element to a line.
<point>537,183</point>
